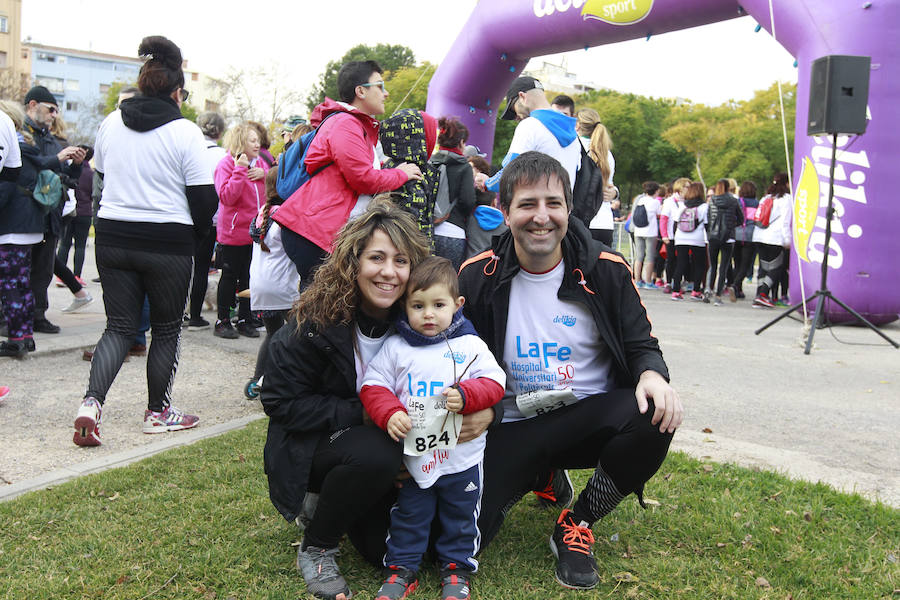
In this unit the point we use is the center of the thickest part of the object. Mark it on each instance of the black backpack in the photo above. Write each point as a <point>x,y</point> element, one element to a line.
<point>639,217</point>
<point>587,195</point>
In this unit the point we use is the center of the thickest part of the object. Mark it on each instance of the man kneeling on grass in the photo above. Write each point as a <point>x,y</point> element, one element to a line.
<point>586,384</point>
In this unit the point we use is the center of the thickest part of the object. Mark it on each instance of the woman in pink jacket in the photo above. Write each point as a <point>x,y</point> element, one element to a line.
<point>240,183</point>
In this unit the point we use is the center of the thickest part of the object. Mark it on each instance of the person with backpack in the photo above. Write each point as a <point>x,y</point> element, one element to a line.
<point>690,241</point>
<point>644,216</point>
<point>744,249</point>
<point>240,184</point>
<point>408,137</point>
<point>450,233</point>
<point>668,224</point>
<point>772,235</point>
<point>342,154</point>
<point>598,166</point>
<point>724,215</point>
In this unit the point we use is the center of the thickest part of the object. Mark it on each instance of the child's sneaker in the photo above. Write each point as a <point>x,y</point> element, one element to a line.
<point>4,392</point>
<point>650,286</point>
<point>639,284</point>
<point>667,289</point>
<point>454,583</point>
<point>398,583</point>
<point>697,296</point>
<point>87,423</point>
<point>571,545</point>
<point>170,419</point>
<point>717,301</point>
<point>677,296</point>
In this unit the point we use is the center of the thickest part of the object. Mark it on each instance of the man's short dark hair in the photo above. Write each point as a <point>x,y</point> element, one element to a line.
<point>529,168</point>
<point>352,74</point>
<point>434,270</point>
<point>650,187</point>
<point>565,101</point>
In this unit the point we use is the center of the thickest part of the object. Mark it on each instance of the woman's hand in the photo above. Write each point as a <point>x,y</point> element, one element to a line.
<point>255,173</point>
<point>398,425</point>
<point>242,160</point>
<point>475,424</point>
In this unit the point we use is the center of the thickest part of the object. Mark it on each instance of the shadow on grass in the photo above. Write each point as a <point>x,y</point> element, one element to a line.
<point>196,523</point>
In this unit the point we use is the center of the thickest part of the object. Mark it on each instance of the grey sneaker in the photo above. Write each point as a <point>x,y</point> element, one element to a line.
<point>78,304</point>
<point>320,571</point>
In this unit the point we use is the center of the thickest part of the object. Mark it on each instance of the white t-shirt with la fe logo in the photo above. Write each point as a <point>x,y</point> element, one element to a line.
<point>550,345</point>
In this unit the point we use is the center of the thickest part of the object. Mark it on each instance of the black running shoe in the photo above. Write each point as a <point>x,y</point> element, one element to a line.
<point>571,544</point>
<point>558,492</point>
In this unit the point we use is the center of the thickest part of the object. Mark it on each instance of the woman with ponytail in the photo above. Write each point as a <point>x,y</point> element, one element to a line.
<point>158,198</point>
<point>596,141</point>
<point>450,233</point>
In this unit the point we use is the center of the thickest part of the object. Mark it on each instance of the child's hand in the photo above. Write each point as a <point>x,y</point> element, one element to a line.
<point>454,400</point>
<point>398,425</point>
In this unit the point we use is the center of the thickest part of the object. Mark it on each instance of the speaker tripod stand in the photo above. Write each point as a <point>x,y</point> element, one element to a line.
<point>823,294</point>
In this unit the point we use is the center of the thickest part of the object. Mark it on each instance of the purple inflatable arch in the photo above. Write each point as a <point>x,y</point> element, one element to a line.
<point>501,35</point>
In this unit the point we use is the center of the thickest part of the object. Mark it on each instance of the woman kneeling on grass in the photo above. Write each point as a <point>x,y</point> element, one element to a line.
<point>318,444</point>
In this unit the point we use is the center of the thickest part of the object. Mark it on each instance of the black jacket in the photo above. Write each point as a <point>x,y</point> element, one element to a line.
<point>595,276</point>
<point>309,392</point>
<point>40,156</point>
<point>19,213</point>
<point>724,215</point>
<point>462,185</point>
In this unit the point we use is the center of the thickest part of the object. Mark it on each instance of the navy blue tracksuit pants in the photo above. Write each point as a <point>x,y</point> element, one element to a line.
<point>456,500</point>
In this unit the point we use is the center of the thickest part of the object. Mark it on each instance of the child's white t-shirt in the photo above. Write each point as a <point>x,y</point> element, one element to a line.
<point>419,372</point>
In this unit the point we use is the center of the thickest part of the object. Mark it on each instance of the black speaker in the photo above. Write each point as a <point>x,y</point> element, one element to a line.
<point>838,94</point>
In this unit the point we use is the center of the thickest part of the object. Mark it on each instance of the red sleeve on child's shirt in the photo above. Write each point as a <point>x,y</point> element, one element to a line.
<point>380,403</point>
<point>480,393</point>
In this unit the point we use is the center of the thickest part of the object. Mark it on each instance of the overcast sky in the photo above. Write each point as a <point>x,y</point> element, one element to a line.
<point>709,64</point>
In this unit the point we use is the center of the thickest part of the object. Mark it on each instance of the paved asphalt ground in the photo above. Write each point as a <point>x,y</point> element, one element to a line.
<point>753,400</point>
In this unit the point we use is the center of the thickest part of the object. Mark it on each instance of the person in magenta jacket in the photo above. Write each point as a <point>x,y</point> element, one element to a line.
<point>240,183</point>
<point>342,158</point>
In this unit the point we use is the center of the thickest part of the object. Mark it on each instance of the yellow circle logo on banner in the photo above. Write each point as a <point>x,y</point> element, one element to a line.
<point>617,12</point>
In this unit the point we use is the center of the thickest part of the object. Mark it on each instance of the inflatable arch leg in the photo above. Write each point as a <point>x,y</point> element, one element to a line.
<point>500,36</point>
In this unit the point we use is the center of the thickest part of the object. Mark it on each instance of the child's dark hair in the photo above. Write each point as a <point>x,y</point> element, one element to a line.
<point>272,199</point>
<point>452,133</point>
<point>434,270</point>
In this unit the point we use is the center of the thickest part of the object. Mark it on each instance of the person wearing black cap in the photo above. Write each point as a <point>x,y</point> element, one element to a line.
<point>41,108</point>
<point>540,129</point>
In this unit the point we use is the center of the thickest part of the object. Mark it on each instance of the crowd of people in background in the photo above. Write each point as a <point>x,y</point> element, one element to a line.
<point>187,215</point>
<point>705,241</point>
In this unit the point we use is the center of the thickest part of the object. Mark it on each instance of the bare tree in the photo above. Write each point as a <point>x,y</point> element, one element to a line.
<point>13,84</point>
<point>259,94</point>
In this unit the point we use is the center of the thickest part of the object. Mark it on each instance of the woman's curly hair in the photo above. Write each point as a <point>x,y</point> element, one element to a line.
<point>333,296</point>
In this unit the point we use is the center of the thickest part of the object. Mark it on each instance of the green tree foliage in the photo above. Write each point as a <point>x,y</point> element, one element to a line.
<point>111,99</point>
<point>391,57</point>
<point>408,87</point>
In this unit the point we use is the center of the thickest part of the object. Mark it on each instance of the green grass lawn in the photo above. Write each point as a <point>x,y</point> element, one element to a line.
<point>196,522</point>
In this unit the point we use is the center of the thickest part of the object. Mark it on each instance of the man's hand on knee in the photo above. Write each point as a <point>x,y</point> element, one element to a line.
<point>668,411</point>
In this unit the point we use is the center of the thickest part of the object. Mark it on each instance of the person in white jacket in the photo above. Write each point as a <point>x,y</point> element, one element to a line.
<point>773,242</point>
